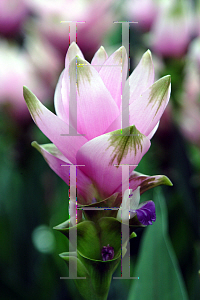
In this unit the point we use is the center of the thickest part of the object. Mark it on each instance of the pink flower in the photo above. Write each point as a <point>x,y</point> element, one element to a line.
<point>17,69</point>
<point>12,16</point>
<point>96,14</point>
<point>142,11</point>
<point>197,19</point>
<point>46,60</point>
<point>99,111</point>
<point>172,31</point>
<point>189,115</point>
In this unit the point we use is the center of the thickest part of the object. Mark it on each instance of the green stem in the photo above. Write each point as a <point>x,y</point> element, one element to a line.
<point>92,293</point>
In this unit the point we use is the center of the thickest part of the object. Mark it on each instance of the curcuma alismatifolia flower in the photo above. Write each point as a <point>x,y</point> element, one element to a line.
<point>172,30</point>
<point>98,149</point>
<point>99,114</point>
<point>97,16</point>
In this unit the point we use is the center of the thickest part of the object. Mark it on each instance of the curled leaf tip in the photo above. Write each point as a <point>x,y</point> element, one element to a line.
<point>61,255</point>
<point>167,181</point>
<point>35,145</point>
<point>133,235</point>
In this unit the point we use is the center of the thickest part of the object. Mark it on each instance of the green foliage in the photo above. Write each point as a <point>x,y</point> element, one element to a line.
<point>91,237</point>
<point>157,266</point>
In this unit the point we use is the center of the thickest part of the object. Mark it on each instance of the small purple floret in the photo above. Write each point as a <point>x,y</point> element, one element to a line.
<point>107,253</point>
<point>94,200</point>
<point>147,213</point>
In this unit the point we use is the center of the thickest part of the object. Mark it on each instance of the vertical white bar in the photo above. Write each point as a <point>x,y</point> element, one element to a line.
<point>73,100</point>
<point>72,93</point>
<point>72,31</point>
<point>72,222</point>
<point>72,213</point>
<point>125,96</point>
<point>125,261</point>
<point>73,83</point>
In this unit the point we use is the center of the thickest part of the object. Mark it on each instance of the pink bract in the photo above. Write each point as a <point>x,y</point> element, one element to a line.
<point>100,145</point>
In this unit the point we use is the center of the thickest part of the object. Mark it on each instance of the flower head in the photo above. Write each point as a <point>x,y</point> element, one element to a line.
<point>16,70</point>
<point>12,17</point>
<point>99,144</point>
<point>172,30</point>
<point>95,16</point>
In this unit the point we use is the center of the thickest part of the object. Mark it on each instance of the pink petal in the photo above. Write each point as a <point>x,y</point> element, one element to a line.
<point>101,154</point>
<point>58,163</point>
<point>115,125</point>
<point>96,109</point>
<point>99,58</point>
<point>151,134</point>
<point>147,182</point>
<point>112,73</point>
<point>55,160</point>
<point>58,103</point>
<point>146,111</point>
<point>72,52</point>
<point>142,77</point>
<point>53,127</point>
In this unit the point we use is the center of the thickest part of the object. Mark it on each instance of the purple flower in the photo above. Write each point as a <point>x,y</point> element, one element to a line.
<point>107,253</point>
<point>146,214</point>
<point>145,211</point>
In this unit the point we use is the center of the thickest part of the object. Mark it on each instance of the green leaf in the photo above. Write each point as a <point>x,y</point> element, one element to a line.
<point>149,182</point>
<point>81,272</point>
<point>157,267</point>
<point>91,237</point>
<point>111,234</point>
<point>133,235</point>
<point>98,274</point>
<point>88,242</point>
